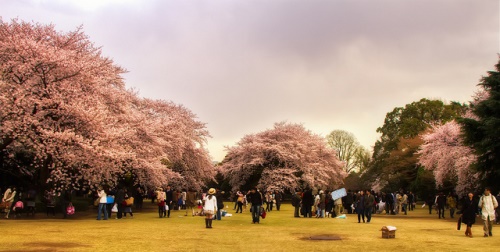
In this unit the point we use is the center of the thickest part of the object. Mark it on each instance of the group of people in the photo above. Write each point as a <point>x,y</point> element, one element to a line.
<point>320,205</point>
<point>17,201</point>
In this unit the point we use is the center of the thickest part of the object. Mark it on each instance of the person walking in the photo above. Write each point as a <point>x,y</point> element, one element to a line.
<point>360,206</point>
<point>210,207</point>
<point>469,211</point>
<point>255,198</point>
<point>169,200</point>
<point>102,204</point>
<point>452,204</point>
<point>488,203</point>
<point>160,199</point>
<point>190,202</point>
<point>369,202</point>
<point>239,201</point>
<point>441,203</point>
<point>278,197</point>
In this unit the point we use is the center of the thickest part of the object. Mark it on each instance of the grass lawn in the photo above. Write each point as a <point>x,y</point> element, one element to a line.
<point>418,231</point>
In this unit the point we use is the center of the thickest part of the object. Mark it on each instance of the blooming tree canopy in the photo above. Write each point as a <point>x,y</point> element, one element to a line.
<point>67,119</point>
<point>286,157</point>
<point>444,153</point>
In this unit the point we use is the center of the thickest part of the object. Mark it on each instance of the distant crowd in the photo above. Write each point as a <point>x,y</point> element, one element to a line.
<point>306,203</point>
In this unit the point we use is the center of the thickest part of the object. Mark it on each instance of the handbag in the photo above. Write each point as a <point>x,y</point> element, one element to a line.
<point>114,209</point>
<point>97,201</point>
<point>129,201</point>
<point>110,199</point>
<point>70,210</point>
<point>263,213</point>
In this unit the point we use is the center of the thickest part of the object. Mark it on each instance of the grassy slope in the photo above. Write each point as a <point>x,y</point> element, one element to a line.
<point>278,232</point>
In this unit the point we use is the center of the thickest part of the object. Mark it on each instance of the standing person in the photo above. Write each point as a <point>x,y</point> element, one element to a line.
<point>321,205</point>
<point>389,203</point>
<point>240,201</point>
<point>441,203</point>
<point>8,199</point>
<point>404,202</point>
<point>296,204</point>
<point>452,204</point>
<point>65,201</point>
<point>220,203</point>
<point>268,201</point>
<point>469,211</point>
<point>210,207</point>
<point>278,197</point>
<point>339,207</point>
<point>169,200</point>
<point>369,202</point>
<point>160,199</point>
<point>307,203</point>
<point>411,201</point>
<point>348,200</point>
<point>430,202</point>
<point>127,207</point>
<point>488,203</point>
<point>102,204</point>
<point>329,204</point>
<point>139,198</point>
<point>255,198</point>
<point>190,202</point>
<point>119,198</point>
<point>360,206</point>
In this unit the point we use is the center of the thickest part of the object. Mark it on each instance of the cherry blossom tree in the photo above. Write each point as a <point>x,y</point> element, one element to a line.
<point>287,156</point>
<point>444,153</point>
<point>68,120</point>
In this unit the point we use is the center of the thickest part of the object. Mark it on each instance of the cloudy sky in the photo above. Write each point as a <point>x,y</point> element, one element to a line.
<point>242,65</point>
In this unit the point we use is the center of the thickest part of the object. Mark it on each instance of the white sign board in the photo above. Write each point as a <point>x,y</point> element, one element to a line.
<point>337,194</point>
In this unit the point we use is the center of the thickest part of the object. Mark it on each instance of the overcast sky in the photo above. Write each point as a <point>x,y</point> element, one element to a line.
<point>242,65</point>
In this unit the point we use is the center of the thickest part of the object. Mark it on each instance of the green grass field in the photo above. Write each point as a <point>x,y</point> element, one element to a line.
<point>278,232</point>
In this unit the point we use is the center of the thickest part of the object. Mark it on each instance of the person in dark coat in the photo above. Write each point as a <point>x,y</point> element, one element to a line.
<point>441,203</point>
<point>170,199</point>
<point>469,212</point>
<point>119,198</point>
<point>360,206</point>
<point>296,204</point>
<point>220,203</point>
<point>348,200</point>
<point>256,199</point>
<point>430,202</point>
<point>307,203</point>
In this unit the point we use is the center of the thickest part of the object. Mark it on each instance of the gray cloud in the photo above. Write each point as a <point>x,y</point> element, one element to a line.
<point>243,65</point>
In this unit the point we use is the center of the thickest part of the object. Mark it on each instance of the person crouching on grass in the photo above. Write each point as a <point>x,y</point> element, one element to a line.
<point>210,207</point>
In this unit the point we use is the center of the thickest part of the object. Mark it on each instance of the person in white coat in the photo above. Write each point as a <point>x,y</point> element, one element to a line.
<point>210,207</point>
<point>488,203</point>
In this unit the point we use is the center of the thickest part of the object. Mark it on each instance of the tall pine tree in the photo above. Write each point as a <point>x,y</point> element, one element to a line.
<point>483,133</point>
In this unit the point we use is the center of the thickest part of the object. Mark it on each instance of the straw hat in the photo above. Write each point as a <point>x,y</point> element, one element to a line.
<point>211,191</point>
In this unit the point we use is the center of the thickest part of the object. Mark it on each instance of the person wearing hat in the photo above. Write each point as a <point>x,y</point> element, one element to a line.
<point>210,207</point>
